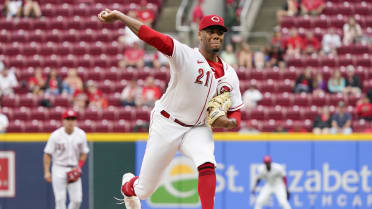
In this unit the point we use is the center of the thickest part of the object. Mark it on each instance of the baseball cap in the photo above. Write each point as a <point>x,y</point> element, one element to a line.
<point>267,159</point>
<point>212,20</point>
<point>69,114</point>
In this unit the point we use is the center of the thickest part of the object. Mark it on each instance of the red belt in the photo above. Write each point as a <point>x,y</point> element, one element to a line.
<point>167,115</point>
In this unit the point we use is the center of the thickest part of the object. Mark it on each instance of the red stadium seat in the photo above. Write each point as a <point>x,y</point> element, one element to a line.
<point>259,113</point>
<point>21,114</point>
<point>50,126</point>
<point>301,100</point>
<point>286,86</point>
<point>103,127</point>
<point>309,113</point>
<point>28,101</point>
<point>92,114</point>
<point>110,114</point>
<point>16,127</point>
<point>143,114</point>
<point>288,22</point>
<point>320,22</point>
<point>364,61</point>
<point>320,101</point>
<point>40,114</point>
<point>276,113</point>
<point>121,126</point>
<point>293,113</point>
<point>61,101</point>
<point>256,74</point>
<point>345,61</point>
<point>303,22</point>
<point>268,100</point>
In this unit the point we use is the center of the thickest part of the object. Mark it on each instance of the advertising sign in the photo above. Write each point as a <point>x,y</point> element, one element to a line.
<point>7,174</point>
<point>321,174</point>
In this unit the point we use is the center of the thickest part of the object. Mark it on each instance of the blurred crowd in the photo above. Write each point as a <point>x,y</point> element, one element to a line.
<point>50,83</point>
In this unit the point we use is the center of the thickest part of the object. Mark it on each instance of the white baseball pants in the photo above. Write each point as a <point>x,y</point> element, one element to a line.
<point>279,191</point>
<point>60,185</point>
<point>166,138</point>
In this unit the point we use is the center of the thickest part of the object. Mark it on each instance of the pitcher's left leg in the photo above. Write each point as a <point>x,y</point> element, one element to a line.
<point>198,145</point>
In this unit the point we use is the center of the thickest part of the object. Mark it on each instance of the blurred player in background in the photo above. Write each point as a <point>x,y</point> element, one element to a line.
<point>178,120</point>
<point>68,149</point>
<point>276,183</point>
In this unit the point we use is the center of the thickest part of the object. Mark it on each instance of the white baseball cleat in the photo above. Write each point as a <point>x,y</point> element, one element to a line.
<point>130,202</point>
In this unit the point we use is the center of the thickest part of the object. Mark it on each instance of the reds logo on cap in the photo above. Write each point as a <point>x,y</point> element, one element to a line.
<point>215,19</point>
<point>212,20</point>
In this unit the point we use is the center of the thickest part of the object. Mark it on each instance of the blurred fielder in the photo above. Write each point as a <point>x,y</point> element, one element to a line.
<point>68,149</point>
<point>276,183</point>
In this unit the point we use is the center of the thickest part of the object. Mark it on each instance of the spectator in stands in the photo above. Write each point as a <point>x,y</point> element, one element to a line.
<point>352,82</point>
<point>80,100</point>
<point>304,82</point>
<point>352,32</point>
<point>150,93</point>
<point>72,82</point>
<point>228,55</point>
<point>145,15</point>
<point>159,60</point>
<point>251,97</point>
<point>336,83</point>
<point>259,58</point>
<point>197,15</point>
<point>290,8</point>
<point>37,82</point>
<point>294,43</point>
<point>133,57</point>
<point>4,123</point>
<point>364,108</point>
<point>31,9</point>
<point>128,38</point>
<point>322,122</point>
<point>331,41</point>
<point>341,121</point>
<point>319,84</point>
<point>275,55</point>
<point>312,7</point>
<point>12,8</point>
<point>245,56</point>
<point>8,81</point>
<point>53,84</point>
<point>95,96</point>
<point>277,40</point>
<point>311,44</point>
<point>130,93</point>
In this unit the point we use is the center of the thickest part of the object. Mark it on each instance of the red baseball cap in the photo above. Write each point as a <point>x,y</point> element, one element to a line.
<point>267,159</point>
<point>212,20</point>
<point>69,114</point>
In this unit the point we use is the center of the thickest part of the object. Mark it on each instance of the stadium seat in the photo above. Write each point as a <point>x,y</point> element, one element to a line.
<point>16,127</point>
<point>268,100</point>
<point>121,126</point>
<point>10,101</point>
<point>275,113</point>
<point>258,113</point>
<point>103,127</point>
<point>22,114</point>
<point>91,114</point>
<point>301,100</point>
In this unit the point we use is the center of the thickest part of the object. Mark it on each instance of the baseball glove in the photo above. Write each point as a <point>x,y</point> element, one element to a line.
<point>218,107</point>
<point>73,175</point>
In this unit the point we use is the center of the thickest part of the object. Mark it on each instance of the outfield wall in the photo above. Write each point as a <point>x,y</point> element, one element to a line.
<point>323,171</point>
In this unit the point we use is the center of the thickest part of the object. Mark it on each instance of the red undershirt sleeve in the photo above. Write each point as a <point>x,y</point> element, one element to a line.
<point>237,115</point>
<point>161,42</point>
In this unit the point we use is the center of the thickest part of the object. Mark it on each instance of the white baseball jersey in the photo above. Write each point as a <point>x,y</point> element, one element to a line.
<point>193,84</point>
<point>272,177</point>
<point>66,149</point>
<point>230,79</point>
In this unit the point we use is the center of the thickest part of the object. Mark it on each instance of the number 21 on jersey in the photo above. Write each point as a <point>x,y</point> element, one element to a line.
<point>199,78</point>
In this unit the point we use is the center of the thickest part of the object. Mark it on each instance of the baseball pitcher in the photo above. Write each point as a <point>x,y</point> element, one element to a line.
<point>203,93</point>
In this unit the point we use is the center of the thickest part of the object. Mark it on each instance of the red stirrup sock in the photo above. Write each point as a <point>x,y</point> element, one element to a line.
<point>207,185</point>
<point>128,188</point>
